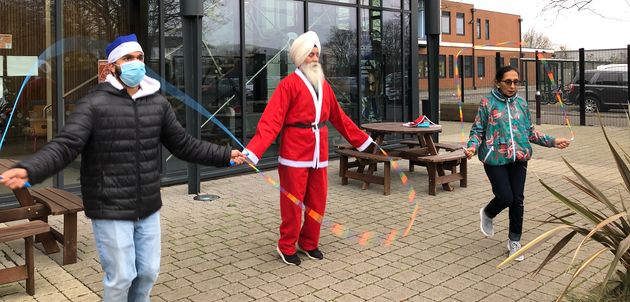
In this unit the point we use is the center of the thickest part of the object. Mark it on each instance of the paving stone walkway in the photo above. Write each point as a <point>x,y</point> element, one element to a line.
<point>225,250</point>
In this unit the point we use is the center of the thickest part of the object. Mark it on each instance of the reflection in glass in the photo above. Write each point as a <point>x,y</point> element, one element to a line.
<point>89,25</point>
<point>30,25</point>
<point>220,71</point>
<point>337,30</point>
<point>381,61</point>
<point>269,27</point>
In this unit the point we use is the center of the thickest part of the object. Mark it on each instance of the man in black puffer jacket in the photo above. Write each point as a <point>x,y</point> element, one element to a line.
<point>118,129</point>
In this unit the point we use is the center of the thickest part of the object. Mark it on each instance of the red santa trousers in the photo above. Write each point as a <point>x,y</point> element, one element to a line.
<point>309,185</point>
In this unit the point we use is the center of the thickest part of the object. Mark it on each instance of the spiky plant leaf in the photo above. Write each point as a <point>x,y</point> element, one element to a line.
<point>595,230</point>
<point>598,194</point>
<point>580,269</point>
<point>572,205</point>
<point>555,250</point>
<point>621,250</point>
<point>538,240</point>
<point>624,170</point>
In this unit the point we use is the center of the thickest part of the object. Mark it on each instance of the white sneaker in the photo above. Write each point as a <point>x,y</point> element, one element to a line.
<point>485,223</point>
<point>513,247</point>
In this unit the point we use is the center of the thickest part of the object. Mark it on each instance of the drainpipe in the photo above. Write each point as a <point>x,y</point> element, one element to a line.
<point>472,39</point>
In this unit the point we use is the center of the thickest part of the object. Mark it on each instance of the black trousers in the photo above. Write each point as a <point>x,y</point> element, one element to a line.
<point>508,184</point>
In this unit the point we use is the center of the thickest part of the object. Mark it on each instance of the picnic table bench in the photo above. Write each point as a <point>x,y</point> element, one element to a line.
<point>26,272</point>
<point>364,159</point>
<point>38,204</point>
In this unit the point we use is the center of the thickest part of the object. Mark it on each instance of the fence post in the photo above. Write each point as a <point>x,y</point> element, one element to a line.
<point>582,88</point>
<point>461,76</point>
<point>538,96</point>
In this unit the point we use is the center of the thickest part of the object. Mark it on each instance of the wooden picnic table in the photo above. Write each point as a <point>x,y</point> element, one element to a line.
<point>425,142</point>
<point>38,204</point>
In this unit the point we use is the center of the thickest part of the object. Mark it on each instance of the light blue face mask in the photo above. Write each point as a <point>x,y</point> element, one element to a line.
<point>132,73</point>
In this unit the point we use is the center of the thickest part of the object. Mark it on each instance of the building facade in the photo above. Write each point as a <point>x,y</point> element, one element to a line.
<point>50,52</point>
<point>475,37</point>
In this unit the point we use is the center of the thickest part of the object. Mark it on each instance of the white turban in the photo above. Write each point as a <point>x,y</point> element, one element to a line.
<point>302,47</point>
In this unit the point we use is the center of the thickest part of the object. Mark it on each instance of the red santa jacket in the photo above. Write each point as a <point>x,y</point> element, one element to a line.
<point>294,102</point>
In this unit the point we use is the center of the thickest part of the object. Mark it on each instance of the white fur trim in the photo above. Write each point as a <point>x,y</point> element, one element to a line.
<point>301,163</point>
<point>251,156</point>
<point>123,49</point>
<point>365,144</point>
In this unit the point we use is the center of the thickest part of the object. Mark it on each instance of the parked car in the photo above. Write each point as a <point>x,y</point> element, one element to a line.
<point>605,88</point>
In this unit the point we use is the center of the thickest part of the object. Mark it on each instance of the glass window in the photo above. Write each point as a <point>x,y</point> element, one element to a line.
<point>96,22</point>
<point>468,66</point>
<point>337,30</point>
<point>487,29</point>
<point>422,34</point>
<point>451,66</point>
<point>391,3</point>
<point>514,62</point>
<point>423,67</point>
<point>459,23</point>
<point>446,22</point>
<point>478,28</point>
<point>406,5</point>
<point>608,78</point>
<point>442,66</point>
<point>341,1</point>
<point>481,67</point>
<point>31,32</point>
<point>269,26</point>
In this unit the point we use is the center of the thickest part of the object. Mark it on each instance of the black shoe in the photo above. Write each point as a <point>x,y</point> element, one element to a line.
<point>315,254</point>
<point>289,259</point>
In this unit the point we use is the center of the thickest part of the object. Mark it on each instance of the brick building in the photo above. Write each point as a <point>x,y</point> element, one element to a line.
<point>476,35</point>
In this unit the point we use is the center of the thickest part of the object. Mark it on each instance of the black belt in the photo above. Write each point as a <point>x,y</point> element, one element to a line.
<point>306,126</point>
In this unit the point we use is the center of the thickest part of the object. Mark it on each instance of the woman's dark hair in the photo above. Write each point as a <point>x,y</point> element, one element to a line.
<point>502,71</point>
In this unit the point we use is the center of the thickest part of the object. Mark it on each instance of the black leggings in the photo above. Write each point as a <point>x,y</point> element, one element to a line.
<point>508,184</point>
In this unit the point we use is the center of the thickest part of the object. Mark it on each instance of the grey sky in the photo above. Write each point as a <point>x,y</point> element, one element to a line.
<point>606,26</point>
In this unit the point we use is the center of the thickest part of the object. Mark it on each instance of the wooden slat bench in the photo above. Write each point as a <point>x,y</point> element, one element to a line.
<point>27,271</point>
<point>449,159</point>
<point>413,144</point>
<point>365,159</point>
<point>38,204</point>
<point>64,203</point>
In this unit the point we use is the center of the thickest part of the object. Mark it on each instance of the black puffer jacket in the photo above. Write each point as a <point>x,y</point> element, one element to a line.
<point>119,141</point>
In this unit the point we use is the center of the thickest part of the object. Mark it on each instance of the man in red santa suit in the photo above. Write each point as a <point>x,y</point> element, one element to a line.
<point>300,107</point>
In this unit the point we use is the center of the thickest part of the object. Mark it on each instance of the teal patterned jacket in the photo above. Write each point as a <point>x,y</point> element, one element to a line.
<point>502,131</point>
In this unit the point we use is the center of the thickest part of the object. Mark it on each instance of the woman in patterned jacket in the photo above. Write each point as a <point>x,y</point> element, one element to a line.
<point>501,136</point>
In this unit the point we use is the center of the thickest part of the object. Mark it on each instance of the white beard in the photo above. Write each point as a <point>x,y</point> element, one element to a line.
<point>313,73</point>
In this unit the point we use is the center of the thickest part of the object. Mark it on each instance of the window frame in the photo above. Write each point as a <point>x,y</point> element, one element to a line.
<point>442,15</point>
<point>487,29</point>
<point>463,20</point>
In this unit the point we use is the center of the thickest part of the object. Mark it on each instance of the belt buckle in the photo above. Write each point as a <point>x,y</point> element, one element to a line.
<point>314,126</point>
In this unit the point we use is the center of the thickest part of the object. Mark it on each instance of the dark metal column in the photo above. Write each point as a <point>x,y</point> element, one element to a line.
<point>462,78</point>
<point>413,72</point>
<point>59,84</point>
<point>192,11</point>
<point>582,88</point>
<point>472,38</point>
<point>432,11</point>
<point>538,96</point>
<point>520,37</point>
<point>628,67</point>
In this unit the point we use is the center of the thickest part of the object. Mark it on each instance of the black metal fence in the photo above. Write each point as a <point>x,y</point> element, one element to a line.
<point>575,85</point>
<point>566,86</point>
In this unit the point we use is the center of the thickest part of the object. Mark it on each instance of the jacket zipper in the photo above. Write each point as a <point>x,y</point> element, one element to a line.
<point>507,103</point>
<point>137,120</point>
<point>488,154</point>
